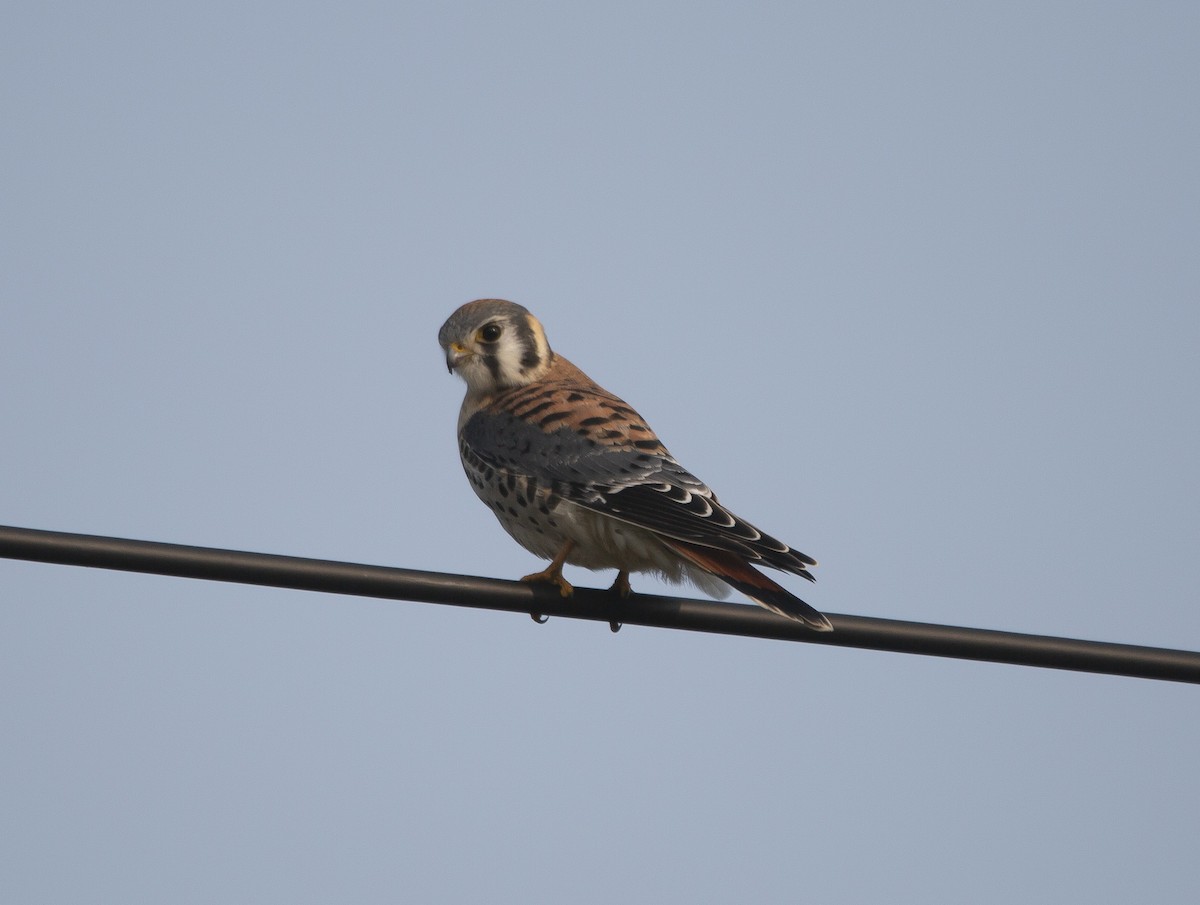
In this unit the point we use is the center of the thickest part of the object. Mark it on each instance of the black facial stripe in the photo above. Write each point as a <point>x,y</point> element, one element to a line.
<point>493,366</point>
<point>530,356</point>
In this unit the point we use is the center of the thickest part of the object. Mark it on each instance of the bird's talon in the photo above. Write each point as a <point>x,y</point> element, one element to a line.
<point>550,576</point>
<point>614,627</point>
<point>621,585</point>
<point>539,618</point>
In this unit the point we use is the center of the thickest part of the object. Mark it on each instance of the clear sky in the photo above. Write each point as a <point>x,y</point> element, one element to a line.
<point>915,287</point>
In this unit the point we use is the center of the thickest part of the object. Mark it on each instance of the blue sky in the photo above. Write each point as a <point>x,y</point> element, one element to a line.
<point>913,287</point>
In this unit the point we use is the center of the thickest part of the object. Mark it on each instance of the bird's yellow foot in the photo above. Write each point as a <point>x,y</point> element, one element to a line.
<point>621,585</point>
<point>554,576</point>
<point>621,588</point>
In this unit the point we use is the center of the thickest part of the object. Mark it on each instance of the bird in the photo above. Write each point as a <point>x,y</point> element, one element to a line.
<point>578,477</point>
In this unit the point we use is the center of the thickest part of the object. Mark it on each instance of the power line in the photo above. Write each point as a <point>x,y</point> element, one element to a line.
<point>643,609</point>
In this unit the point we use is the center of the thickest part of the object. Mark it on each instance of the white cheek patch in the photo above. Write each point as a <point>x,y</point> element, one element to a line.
<point>508,353</point>
<point>476,374</point>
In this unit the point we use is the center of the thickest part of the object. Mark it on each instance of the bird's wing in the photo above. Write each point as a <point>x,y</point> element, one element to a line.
<point>592,449</point>
<point>739,574</point>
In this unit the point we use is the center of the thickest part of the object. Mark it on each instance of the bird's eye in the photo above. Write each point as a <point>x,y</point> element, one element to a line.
<point>490,333</point>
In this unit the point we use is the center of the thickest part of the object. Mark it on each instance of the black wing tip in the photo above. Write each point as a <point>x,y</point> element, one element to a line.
<point>786,604</point>
<point>808,617</point>
<point>743,577</point>
<point>819,625</point>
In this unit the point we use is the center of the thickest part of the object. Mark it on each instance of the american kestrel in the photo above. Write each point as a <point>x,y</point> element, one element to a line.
<point>576,476</point>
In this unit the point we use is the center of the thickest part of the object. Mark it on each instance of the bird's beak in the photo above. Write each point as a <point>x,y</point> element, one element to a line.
<point>455,352</point>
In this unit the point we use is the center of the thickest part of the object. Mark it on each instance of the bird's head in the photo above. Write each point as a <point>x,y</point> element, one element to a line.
<point>493,344</point>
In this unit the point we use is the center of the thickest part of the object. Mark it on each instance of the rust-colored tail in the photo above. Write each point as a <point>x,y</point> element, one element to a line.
<point>741,576</point>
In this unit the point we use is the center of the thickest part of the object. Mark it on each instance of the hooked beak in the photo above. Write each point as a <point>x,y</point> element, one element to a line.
<point>455,352</point>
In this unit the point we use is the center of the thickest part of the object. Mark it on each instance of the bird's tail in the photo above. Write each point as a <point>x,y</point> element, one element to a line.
<point>741,576</point>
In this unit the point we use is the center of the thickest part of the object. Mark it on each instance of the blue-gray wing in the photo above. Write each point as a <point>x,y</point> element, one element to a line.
<point>623,473</point>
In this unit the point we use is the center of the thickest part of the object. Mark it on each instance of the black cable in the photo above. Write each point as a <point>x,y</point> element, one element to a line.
<point>642,609</point>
